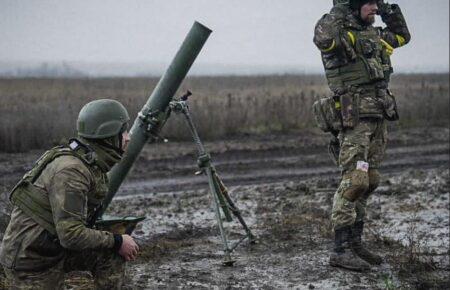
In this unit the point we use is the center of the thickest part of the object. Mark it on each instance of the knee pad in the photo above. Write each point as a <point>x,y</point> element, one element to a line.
<point>374,180</point>
<point>357,183</point>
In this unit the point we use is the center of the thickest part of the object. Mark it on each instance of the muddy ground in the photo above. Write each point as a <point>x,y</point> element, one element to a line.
<point>283,185</point>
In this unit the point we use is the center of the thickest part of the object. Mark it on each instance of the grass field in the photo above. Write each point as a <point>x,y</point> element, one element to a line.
<point>37,113</point>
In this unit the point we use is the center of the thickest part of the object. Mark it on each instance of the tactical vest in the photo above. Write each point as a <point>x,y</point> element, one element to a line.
<point>34,201</point>
<point>370,66</point>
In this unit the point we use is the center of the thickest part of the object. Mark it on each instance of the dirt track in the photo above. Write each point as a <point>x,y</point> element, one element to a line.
<point>283,185</point>
<point>273,165</point>
<point>252,160</point>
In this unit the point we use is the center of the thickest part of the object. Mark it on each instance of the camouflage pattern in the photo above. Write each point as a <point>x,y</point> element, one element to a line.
<point>335,46</point>
<point>361,202</point>
<point>329,39</point>
<point>327,116</point>
<point>356,56</point>
<point>51,278</point>
<point>74,190</point>
<point>340,19</point>
<point>107,268</point>
<point>392,16</point>
<point>366,143</point>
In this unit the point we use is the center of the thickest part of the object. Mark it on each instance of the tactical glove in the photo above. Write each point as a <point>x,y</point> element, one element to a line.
<point>385,9</point>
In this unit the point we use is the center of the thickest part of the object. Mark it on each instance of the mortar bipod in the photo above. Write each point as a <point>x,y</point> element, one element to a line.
<point>219,192</point>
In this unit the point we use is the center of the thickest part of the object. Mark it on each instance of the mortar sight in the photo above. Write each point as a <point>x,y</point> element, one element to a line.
<point>186,96</point>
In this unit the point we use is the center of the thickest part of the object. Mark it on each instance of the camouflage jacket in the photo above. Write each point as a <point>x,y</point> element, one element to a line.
<point>356,56</point>
<point>70,185</point>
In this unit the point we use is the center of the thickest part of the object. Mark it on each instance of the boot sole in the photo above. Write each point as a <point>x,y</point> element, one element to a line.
<point>333,264</point>
<point>367,260</point>
<point>371,262</point>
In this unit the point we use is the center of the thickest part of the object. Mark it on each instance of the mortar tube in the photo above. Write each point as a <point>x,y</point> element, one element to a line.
<point>157,102</point>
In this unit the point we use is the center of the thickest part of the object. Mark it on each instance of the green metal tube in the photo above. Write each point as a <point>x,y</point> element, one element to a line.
<point>158,102</point>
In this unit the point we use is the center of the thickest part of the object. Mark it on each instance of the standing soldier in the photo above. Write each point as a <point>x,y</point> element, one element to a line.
<point>47,234</point>
<point>356,57</point>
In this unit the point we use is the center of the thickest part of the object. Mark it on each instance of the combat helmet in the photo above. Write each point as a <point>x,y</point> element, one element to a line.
<point>355,5</point>
<point>101,119</point>
<point>341,2</point>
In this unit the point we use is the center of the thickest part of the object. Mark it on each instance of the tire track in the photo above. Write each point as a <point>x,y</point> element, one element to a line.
<point>265,166</point>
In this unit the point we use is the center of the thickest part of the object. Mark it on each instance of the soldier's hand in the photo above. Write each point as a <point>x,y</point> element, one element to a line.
<point>384,8</point>
<point>129,248</point>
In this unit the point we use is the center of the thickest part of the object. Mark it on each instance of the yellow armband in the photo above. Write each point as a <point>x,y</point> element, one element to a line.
<point>332,46</point>
<point>352,37</point>
<point>401,40</point>
<point>388,47</point>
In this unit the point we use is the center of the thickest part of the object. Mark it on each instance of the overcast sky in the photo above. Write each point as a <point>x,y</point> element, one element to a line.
<point>269,33</point>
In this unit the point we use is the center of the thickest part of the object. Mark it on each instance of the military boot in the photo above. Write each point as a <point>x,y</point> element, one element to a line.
<point>342,255</point>
<point>358,247</point>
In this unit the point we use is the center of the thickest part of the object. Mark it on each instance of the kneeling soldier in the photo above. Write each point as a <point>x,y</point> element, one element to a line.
<point>48,234</point>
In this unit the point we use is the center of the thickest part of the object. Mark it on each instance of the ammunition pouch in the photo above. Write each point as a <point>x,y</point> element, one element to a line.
<point>375,69</point>
<point>327,115</point>
<point>390,111</point>
<point>350,102</point>
<point>359,72</point>
<point>34,202</point>
<point>368,47</point>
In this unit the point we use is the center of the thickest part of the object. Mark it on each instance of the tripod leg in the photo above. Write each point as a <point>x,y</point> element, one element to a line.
<point>227,259</point>
<point>234,209</point>
<point>222,201</point>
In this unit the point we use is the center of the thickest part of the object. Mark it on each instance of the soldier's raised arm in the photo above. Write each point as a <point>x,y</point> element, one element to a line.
<point>396,32</point>
<point>327,30</point>
<point>331,38</point>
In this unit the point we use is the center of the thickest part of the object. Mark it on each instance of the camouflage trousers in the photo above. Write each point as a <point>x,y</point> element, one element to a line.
<point>107,268</point>
<point>361,152</point>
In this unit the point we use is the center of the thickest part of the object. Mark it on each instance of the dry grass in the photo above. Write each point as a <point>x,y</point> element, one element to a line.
<point>415,266</point>
<point>413,262</point>
<point>36,113</point>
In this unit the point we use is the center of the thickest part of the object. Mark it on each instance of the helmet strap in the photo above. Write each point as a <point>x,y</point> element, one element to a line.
<point>120,141</point>
<point>110,143</point>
